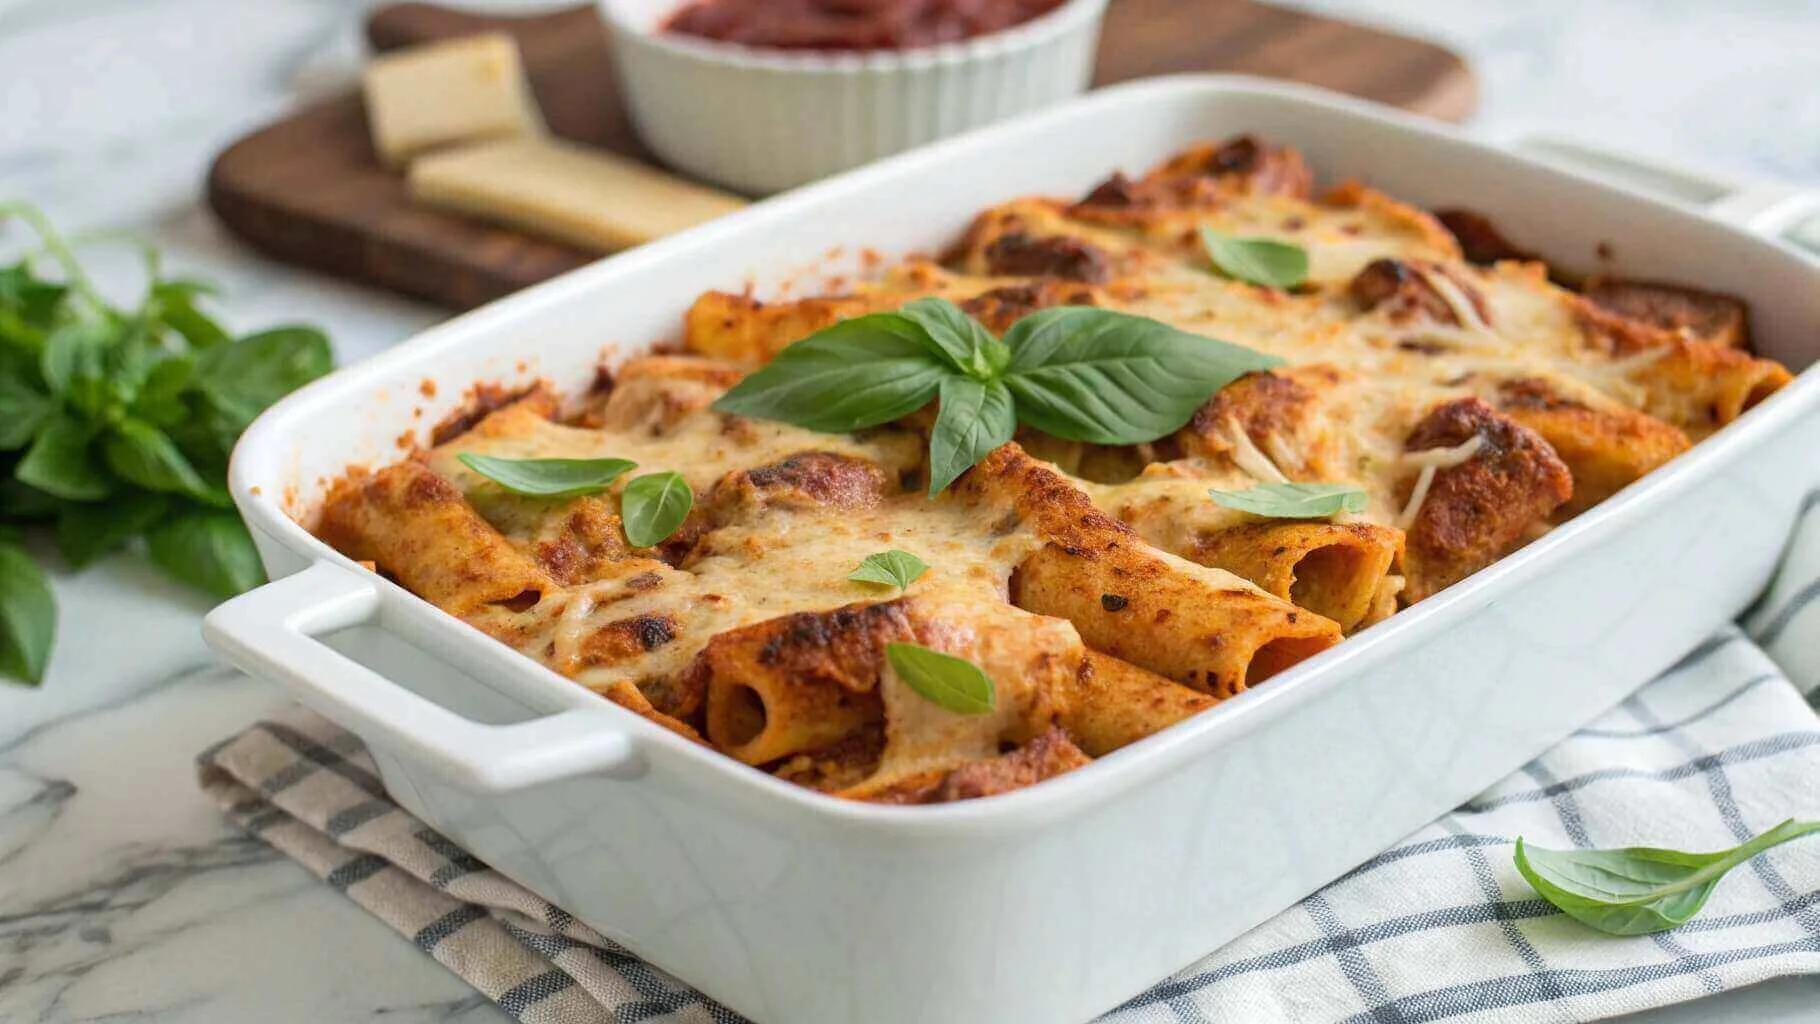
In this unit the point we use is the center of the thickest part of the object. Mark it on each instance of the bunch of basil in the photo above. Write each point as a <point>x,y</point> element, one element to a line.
<point>116,424</point>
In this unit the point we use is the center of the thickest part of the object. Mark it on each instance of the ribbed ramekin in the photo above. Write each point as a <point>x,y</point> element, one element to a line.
<point>760,121</point>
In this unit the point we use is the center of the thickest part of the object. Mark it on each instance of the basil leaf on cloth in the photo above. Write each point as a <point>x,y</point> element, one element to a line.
<point>1638,890</point>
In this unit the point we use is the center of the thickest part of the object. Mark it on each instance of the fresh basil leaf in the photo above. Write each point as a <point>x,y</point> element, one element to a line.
<point>175,304</point>
<point>1294,501</point>
<point>653,506</point>
<point>243,378</point>
<point>36,302</point>
<point>28,617</point>
<point>74,363</point>
<point>144,455</point>
<point>160,401</point>
<point>943,679</point>
<point>1638,890</point>
<point>60,462</point>
<point>130,360</point>
<point>1264,261</point>
<point>85,532</point>
<point>20,503</point>
<point>974,419</point>
<point>961,340</point>
<point>23,410</point>
<point>548,478</point>
<point>856,374</point>
<point>208,549</point>
<point>1088,374</point>
<point>890,568</point>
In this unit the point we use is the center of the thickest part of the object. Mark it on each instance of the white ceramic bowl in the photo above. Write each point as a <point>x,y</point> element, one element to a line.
<point>760,121</point>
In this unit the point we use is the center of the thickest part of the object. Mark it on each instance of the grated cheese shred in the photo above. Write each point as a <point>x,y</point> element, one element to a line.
<point>1249,458</point>
<point>1456,298</point>
<point>1432,461</point>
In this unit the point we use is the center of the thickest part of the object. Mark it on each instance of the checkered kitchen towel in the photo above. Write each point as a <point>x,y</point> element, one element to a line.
<point>1440,927</point>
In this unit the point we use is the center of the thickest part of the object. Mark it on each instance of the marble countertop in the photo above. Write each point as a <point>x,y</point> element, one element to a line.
<point>122,894</point>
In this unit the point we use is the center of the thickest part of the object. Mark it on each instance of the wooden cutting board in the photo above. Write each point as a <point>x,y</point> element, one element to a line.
<point>309,191</point>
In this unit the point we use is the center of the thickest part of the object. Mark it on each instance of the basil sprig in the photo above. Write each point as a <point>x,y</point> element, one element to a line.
<point>891,569</point>
<point>115,426</point>
<point>28,616</point>
<point>548,478</point>
<point>943,679</point>
<point>1293,500</point>
<point>1638,889</point>
<point>1077,372</point>
<point>1264,261</point>
<point>653,506</point>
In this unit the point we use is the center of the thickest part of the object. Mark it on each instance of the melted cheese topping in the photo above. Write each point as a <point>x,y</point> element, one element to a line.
<point>1358,380</point>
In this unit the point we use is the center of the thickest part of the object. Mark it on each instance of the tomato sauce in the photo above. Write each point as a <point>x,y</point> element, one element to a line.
<point>852,24</point>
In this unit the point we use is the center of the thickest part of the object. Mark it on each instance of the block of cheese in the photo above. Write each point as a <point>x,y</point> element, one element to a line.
<point>442,93</point>
<point>569,192</point>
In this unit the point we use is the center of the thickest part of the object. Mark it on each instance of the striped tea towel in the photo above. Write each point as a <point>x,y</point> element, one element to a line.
<point>1440,927</point>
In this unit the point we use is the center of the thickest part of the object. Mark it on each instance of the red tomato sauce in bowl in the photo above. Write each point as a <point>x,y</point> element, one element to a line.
<point>851,24</point>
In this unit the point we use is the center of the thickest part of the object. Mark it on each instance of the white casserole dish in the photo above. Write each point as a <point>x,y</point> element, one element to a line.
<point>762,120</point>
<point>1056,902</point>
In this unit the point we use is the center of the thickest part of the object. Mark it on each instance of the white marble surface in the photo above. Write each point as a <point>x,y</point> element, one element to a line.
<point>121,894</point>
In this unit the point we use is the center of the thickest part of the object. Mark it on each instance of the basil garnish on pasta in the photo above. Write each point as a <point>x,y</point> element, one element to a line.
<point>1638,889</point>
<point>858,373</point>
<point>890,568</point>
<point>653,507</point>
<point>943,679</point>
<point>1087,374</point>
<point>1264,261</point>
<point>1078,372</point>
<point>1293,500</point>
<point>548,478</point>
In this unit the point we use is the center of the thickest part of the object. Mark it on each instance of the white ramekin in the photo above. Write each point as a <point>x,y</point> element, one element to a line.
<point>761,121</point>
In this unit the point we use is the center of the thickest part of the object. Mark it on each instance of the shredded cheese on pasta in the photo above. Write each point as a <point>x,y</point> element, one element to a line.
<point>1249,458</point>
<point>1432,461</point>
<point>1456,298</point>
<point>1446,458</point>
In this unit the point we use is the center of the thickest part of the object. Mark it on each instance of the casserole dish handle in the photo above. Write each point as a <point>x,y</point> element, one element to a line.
<point>1767,208</point>
<point>274,632</point>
